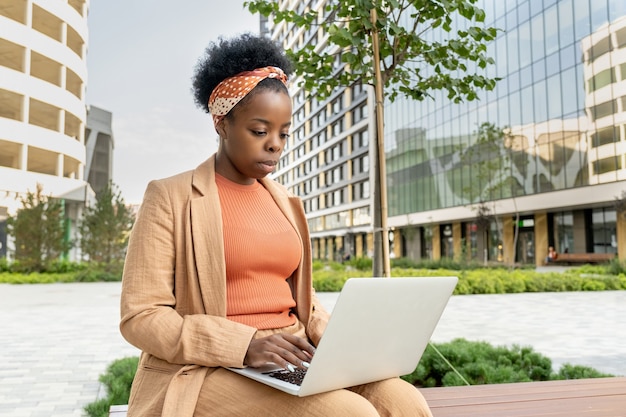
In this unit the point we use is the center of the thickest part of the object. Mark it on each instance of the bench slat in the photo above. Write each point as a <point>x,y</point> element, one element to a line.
<point>595,397</point>
<point>608,407</point>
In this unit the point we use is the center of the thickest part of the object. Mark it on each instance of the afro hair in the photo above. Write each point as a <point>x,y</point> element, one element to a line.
<point>228,57</point>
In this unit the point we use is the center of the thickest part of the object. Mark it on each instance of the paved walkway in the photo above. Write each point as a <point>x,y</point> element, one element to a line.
<point>56,339</point>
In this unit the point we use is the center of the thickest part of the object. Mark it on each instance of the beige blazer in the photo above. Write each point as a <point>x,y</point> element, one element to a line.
<point>173,302</point>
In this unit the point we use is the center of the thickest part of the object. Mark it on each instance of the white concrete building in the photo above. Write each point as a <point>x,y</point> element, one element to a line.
<point>43,74</point>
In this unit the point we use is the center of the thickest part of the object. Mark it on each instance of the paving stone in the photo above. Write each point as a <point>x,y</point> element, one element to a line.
<point>58,338</point>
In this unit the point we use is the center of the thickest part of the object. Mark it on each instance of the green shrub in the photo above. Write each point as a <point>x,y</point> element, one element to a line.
<point>615,267</point>
<point>569,371</point>
<point>404,263</point>
<point>443,263</point>
<point>515,282</point>
<point>481,363</point>
<point>35,278</point>
<point>593,285</point>
<point>317,265</point>
<point>99,273</point>
<point>327,280</point>
<point>5,266</point>
<point>61,266</point>
<point>362,264</point>
<point>330,276</point>
<point>61,271</point>
<point>117,379</point>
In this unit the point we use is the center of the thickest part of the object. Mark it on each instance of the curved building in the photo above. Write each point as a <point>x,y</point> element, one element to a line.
<point>43,74</point>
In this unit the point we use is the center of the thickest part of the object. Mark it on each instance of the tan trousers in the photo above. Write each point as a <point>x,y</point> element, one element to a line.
<point>225,393</point>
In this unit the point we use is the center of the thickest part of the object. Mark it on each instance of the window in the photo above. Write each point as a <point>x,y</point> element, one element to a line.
<point>320,119</point>
<point>300,134</point>
<point>551,30</point>
<point>601,79</point>
<point>300,115</point>
<point>336,153</point>
<point>315,142</point>
<point>315,224</point>
<point>604,230</point>
<point>334,198</point>
<point>360,165</point>
<point>337,105</point>
<point>600,48</point>
<point>315,203</point>
<point>603,109</point>
<point>361,139</point>
<point>610,164</point>
<point>361,216</point>
<point>361,190</point>
<point>564,232</point>
<point>357,90</point>
<point>338,196</point>
<point>365,162</point>
<point>336,175</point>
<point>337,127</point>
<point>620,36</point>
<point>337,63</point>
<point>312,163</point>
<point>605,136</point>
<point>359,113</point>
<point>299,97</point>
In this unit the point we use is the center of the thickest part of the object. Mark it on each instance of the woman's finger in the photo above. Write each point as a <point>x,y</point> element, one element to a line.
<point>285,350</point>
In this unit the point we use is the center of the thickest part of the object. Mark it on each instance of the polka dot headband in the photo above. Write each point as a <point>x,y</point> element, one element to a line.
<point>233,89</point>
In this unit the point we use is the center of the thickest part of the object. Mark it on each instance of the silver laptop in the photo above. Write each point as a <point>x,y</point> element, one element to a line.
<point>378,329</point>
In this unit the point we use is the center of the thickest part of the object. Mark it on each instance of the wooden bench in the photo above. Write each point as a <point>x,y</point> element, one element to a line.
<point>595,397</point>
<point>582,258</point>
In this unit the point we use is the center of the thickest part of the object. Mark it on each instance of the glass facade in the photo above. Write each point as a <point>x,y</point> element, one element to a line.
<point>555,121</point>
<point>538,161</point>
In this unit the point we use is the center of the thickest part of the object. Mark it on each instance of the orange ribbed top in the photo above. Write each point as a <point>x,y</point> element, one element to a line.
<point>262,249</point>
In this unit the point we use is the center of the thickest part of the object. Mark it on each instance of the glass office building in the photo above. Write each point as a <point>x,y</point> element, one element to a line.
<point>537,162</point>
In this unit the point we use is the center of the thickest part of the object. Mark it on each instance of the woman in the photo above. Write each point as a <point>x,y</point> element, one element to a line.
<point>218,271</point>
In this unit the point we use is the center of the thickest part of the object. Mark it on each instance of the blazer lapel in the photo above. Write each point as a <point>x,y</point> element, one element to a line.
<point>207,239</point>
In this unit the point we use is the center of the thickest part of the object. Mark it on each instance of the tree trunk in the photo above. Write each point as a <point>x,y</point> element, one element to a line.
<point>381,264</point>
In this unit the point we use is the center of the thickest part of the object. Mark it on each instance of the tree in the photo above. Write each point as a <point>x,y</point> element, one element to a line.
<point>387,44</point>
<point>105,227</point>
<point>39,231</point>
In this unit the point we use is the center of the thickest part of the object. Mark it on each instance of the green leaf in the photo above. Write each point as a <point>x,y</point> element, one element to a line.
<point>414,41</point>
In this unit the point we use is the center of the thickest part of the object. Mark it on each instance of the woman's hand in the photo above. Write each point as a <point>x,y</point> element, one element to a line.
<point>285,350</point>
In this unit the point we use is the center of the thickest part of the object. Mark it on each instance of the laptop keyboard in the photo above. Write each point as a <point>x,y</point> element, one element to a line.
<point>295,377</point>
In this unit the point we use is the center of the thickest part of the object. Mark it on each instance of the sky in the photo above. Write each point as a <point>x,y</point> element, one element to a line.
<point>141,56</point>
